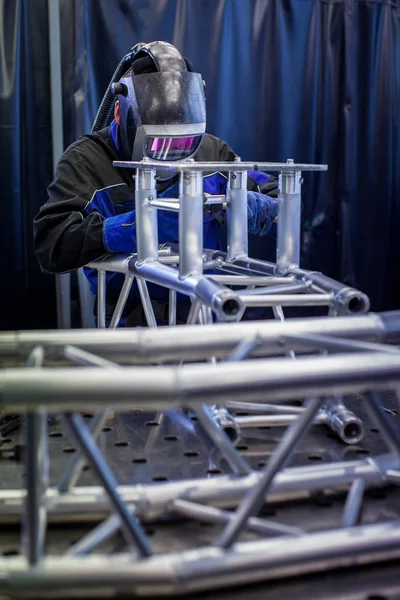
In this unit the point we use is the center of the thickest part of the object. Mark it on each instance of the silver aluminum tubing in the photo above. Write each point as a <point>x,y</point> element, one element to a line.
<point>244,280</point>
<point>278,420</point>
<point>262,408</point>
<point>101,299</point>
<point>287,288</point>
<point>204,568</point>
<point>172,308</point>
<point>347,426</point>
<point>237,215</point>
<point>210,514</point>
<point>253,501</point>
<point>219,166</point>
<point>131,528</point>
<point>353,505</point>
<point>122,299</point>
<point>223,301</point>
<point>347,300</point>
<point>270,380</point>
<point>197,343</point>
<point>216,433</point>
<point>191,224</point>
<point>146,215</point>
<point>286,300</point>
<point>146,303</point>
<point>37,476</point>
<point>77,462</point>
<point>152,500</point>
<point>334,344</point>
<point>289,221</point>
<point>226,421</point>
<point>165,205</point>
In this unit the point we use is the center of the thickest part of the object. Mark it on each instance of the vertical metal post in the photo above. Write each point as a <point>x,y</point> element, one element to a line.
<point>37,476</point>
<point>63,282</point>
<point>289,220</point>
<point>86,300</point>
<point>191,223</point>
<point>172,308</point>
<point>146,215</point>
<point>237,218</point>
<point>101,299</point>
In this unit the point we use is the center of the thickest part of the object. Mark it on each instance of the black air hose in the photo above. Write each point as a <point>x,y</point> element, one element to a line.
<point>105,107</point>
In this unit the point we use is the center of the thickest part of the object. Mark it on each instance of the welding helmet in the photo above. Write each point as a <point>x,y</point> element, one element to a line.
<point>162,107</point>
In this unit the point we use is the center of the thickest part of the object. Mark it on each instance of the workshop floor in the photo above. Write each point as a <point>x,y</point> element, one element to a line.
<point>143,447</point>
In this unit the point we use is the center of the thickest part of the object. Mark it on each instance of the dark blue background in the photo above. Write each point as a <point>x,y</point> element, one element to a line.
<point>313,80</point>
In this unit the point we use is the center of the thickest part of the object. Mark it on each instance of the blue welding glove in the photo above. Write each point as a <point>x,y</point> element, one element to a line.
<point>261,210</point>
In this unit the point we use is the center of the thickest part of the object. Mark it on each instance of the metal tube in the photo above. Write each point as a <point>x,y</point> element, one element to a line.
<point>244,349</point>
<point>334,344</point>
<point>289,215</point>
<point>172,308</point>
<point>223,301</point>
<point>191,224</point>
<point>165,205</point>
<point>132,529</point>
<point>122,299</point>
<point>77,462</point>
<point>221,440</point>
<point>146,215</point>
<point>211,514</point>
<point>291,288</point>
<point>101,299</point>
<point>347,300</point>
<point>36,458</point>
<point>244,280</point>
<point>91,503</point>
<point>263,408</point>
<point>193,313</point>
<point>237,217</point>
<point>278,420</point>
<point>98,535</point>
<point>205,568</point>
<point>86,300</point>
<point>287,300</point>
<point>146,303</point>
<point>266,380</point>
<point>226,421</point>
<point>347,426</point>
<point>353,506</point>
<point>218,166</point>
<point>253,502</point>
<point>280,316</point>
<point>197,343</point>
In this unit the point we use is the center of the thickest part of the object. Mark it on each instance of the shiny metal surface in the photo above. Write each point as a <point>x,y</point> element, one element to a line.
<point>221,166</point>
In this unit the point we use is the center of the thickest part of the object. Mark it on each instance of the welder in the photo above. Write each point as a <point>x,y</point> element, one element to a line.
<point>159,113</point>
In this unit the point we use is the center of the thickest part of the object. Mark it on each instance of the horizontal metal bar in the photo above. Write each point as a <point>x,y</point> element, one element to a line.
<point>204,568</point>
<point>164,205</point>
<point>283,420</point>
<point>334,344</point>
<point>197,343</point>
<point>262,408</point>
<point>219,166</point>
<point>258,280</point>
<point>286,288</point>
<point>287,300</point>
<point>268,380</point>
<point>91,504</point>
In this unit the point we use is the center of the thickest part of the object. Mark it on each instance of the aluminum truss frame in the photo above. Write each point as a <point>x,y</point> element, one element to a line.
<point>358,360</point>
<point>205,276</point>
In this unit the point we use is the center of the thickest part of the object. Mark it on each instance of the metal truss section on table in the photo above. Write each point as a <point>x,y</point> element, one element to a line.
<point>68,372</point>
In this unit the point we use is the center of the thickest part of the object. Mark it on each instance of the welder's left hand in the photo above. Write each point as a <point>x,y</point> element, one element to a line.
<point>262,211</point>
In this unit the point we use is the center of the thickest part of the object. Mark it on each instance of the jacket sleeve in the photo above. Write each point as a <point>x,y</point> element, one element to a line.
<point>64,237</point>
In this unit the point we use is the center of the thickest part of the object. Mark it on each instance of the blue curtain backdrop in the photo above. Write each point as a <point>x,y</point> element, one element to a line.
<point>313,80</point>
